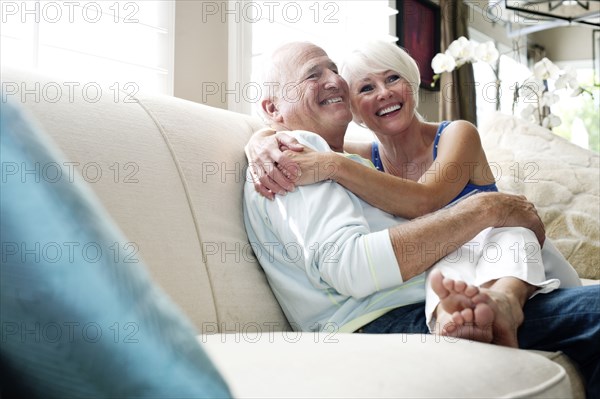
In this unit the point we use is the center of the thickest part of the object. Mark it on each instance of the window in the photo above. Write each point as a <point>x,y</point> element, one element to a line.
<point>512,70</point>
<point>114,41</point>
<point>579,115</point>
<point>334,25</point>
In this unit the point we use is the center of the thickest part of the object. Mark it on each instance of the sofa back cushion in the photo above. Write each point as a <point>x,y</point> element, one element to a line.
<point>170,173</point>
<point>208,146</point>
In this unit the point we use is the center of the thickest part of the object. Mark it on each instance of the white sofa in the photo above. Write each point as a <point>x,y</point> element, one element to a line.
<point>171,177</point>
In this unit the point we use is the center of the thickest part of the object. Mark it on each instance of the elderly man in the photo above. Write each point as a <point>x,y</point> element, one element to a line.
<point>337,263</point>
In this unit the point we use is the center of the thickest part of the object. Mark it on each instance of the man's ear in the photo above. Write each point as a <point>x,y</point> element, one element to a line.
<point>270,109</point>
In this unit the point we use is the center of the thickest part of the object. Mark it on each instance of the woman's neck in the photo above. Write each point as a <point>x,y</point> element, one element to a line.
<point>404,152</point>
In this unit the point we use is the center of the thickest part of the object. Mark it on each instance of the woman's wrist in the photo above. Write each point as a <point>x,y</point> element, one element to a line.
<point>336,165</point>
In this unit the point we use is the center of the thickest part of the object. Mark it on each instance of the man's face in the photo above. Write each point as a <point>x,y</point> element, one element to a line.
<point>312,95</point>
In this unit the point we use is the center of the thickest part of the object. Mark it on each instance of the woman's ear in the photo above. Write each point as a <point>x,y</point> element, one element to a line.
<point>270,109</point>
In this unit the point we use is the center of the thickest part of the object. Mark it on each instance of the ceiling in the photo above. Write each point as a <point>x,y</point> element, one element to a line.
<point>571,11</point>
<point>528,16</point>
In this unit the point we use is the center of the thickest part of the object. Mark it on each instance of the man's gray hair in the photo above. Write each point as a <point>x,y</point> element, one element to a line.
<point>270,75</point>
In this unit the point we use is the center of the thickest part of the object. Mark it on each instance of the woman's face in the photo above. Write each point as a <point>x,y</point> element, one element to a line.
<point>383,101</point>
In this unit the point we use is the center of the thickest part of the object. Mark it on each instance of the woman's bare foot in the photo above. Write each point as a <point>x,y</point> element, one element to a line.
<point>457,314</point>
<point>509,315</point>
<point>491,314</point>
<point>508,296</point>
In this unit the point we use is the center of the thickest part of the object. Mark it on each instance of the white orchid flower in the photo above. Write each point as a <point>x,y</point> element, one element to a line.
<point>574,83</point>
<point>535,92</point>
<point>443,62</point>
<point>551,121</point>
<point>567,79</point>
<point>577,91</point>
<point>572,77</point>
<point>528,111</point>
<point>562,82</point>
<point>549,98</point>
<point>462,49</point>
<point>487,52</point>
<point>545,69</point>
<point>532,89</point>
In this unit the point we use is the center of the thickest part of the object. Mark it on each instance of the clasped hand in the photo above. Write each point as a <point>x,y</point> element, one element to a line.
<point>278,163</point>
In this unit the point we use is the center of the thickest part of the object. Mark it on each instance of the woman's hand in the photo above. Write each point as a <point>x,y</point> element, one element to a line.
<point>271,171</point>
<point>311,166</point>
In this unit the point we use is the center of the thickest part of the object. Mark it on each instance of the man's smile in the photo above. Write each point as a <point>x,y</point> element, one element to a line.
<point>331,100</point>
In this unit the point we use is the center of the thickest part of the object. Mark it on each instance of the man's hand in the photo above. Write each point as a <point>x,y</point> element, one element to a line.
<point>513,211</point>
<point>272,173</point>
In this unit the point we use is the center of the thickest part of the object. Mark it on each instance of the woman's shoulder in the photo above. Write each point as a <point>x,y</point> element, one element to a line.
<point>362,148</point>
<point>459,124</point>
<point>460,128</point>
<point>460,134</point>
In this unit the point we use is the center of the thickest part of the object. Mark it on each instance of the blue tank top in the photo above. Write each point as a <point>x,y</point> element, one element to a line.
<point>469,189</point>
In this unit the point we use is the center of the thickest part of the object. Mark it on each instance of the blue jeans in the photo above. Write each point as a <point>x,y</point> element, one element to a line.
<point>566,320</point>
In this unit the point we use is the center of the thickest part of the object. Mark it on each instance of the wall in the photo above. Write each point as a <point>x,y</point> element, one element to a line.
<point>200,53</point>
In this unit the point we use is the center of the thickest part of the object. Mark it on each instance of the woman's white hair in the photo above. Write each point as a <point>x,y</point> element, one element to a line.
<point>379,56</point>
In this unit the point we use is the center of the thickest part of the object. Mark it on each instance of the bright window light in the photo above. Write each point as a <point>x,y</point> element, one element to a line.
<point>512,70</point>
<point>579,115</point>
<point>112,41</point>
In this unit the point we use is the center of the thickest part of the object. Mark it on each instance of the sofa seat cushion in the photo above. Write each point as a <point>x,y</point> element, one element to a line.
<point>560,178</point>
<point>282,365</point>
